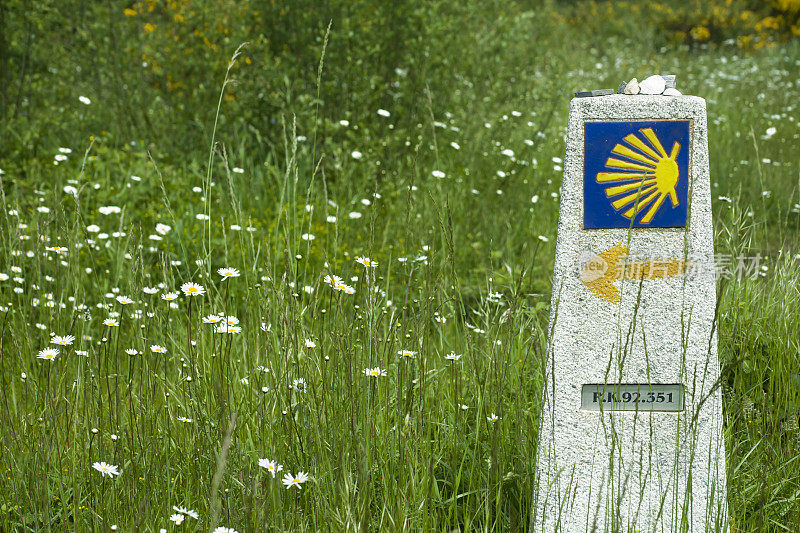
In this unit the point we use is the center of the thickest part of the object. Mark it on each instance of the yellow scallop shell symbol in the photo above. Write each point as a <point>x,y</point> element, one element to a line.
<point>643,180</point>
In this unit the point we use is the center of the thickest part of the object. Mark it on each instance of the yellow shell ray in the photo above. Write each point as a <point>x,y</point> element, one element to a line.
<point>648,217</point>
<point>675,149</point>
<point>625,200</point>
<point>613,162</point>
<point>641,204</point>
<point>603,177</point>
<point>623,150</point>
<point>619,189</point>
<point>636,142</point>
<point>651,136</point>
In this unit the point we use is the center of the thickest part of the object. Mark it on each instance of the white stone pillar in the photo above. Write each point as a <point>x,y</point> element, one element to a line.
<point>631,433</point>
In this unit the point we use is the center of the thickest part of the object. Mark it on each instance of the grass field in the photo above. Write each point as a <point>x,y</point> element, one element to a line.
<point>374,284</point>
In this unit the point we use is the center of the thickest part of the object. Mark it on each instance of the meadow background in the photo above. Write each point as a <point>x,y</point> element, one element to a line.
<point>143,146</point>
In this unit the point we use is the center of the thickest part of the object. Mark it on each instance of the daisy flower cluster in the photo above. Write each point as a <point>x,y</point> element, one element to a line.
<point>289,480</point>
<point>223,324</point>
<point>338,284</point>
<point>181,514</point>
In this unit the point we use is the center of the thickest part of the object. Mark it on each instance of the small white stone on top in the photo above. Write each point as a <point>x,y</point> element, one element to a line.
<point>655,84</point>
<point>632,87</point>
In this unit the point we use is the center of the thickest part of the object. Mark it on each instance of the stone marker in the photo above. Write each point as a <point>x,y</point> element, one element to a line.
<point>631,431</point>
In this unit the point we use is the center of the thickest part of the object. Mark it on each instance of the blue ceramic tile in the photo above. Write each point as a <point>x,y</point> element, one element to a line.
<point>635,174</point>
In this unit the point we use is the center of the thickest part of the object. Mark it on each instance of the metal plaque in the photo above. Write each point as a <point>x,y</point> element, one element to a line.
<point>632,397</point>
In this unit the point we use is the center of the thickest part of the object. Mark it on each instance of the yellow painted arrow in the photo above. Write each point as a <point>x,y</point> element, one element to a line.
<point>599,271</point>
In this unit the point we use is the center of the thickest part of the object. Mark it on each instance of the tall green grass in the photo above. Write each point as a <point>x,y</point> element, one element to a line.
<point>463,267</point>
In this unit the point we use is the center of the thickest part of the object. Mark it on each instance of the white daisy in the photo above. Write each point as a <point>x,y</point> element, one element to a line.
<point>228,273</point>
<point>106,469</point>
<point>66,340</point>
<point>272,466</point>
<point>192,289</point>
<point>48,354</point>
<point>295,481</point>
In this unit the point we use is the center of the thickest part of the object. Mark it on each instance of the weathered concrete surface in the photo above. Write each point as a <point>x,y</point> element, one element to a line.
<point>633,471</point>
